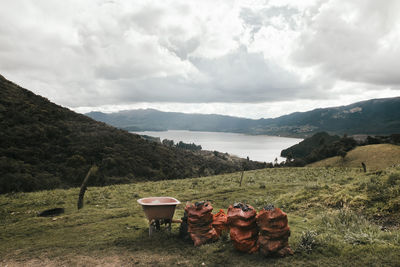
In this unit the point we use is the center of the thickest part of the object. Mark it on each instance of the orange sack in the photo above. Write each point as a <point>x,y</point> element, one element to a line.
<point>243,227</point>
<point>200,222</point>
<point>274,232</point>
<point>220,222</point>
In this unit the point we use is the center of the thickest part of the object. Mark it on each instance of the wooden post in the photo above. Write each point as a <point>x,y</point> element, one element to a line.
<point>241,179</point>
<point>364,166</point>
<point>91,171</point>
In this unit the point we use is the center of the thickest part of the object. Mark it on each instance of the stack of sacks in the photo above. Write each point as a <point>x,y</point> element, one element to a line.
<point>220,221</point>
<point>274,232</point>
<point>243,227</point>
<point>200,222</point>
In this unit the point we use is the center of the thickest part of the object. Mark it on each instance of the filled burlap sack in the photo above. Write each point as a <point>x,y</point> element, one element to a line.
<point>220,222</point>
<point>243,227</point>
<point>274,232</point>
<point>199,222</point>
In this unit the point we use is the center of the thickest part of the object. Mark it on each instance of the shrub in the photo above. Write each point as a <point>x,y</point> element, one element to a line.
<point>308,241</point>
<point>393,179</point>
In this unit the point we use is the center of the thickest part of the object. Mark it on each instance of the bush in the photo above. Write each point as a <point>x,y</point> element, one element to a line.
<point>308,241</point>
<point>393,179</point>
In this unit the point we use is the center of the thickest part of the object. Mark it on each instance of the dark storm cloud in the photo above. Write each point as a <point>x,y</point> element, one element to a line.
<point>239,76</point>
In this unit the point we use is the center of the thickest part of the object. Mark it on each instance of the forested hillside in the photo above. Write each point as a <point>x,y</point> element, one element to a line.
<point>305,147</point>
<point>317,147</point>
<point>44,146</point>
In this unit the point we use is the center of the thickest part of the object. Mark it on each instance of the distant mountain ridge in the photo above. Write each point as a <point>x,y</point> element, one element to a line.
<point>372,117</point>
<point>155,120</point>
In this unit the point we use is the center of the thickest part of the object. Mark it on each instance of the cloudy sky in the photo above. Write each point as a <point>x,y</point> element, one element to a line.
<point>243,58</point>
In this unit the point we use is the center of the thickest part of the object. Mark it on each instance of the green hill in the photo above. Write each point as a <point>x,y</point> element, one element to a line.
<point>305,147</point>
<point>44,146</point>
<point>317,147</point>
<point>337,216</point>
<point>376,157</point>
<point>372,117</point>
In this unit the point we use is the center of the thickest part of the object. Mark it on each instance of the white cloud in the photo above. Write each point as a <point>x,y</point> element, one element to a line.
<point>274,54</point>
<point>354,41</point>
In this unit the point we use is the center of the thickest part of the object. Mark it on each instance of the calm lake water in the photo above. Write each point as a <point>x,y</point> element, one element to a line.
<point>256,147</point>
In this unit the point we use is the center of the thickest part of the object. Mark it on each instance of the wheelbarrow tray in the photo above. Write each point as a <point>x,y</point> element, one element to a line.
<point>156,208</point>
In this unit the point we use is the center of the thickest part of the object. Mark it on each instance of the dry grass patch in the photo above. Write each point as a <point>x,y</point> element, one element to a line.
<point>376,157</point>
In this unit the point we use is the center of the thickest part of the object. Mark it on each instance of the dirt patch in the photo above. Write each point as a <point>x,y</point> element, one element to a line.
<point>115,259</point>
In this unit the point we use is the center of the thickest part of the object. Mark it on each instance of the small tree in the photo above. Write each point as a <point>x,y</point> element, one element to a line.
<point>342,154</point>
<point>167,142</point>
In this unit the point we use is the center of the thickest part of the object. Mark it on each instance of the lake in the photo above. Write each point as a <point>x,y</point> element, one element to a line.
<point>256,147</point>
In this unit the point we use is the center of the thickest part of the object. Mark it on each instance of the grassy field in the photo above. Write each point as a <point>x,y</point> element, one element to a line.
<point>374,156</point>
<point>337,216</point>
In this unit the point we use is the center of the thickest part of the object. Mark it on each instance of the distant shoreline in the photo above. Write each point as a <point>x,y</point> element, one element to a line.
<point>262,148</point>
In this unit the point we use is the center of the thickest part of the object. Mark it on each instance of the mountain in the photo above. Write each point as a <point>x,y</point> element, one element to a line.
<point>155,120</point>
<point>44,146</point>
<point>372,117</point>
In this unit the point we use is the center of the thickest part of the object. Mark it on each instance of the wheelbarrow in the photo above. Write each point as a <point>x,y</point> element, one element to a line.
<point>159,210</point>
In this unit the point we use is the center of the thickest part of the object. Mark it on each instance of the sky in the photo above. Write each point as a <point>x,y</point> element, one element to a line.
<point>242,58</point>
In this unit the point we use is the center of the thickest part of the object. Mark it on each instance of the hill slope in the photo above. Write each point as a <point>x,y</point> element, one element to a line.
<point>337,217</point>
<point>43,145</point>
<point>373,117</point>
<point>376,157</point>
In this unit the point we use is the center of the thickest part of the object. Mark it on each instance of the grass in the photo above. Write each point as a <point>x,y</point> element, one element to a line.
<point>338,216</point>
<point>376,157</point>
